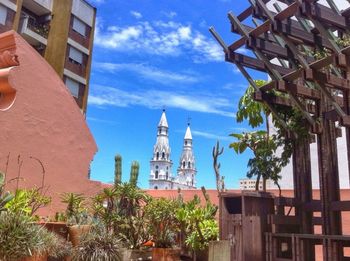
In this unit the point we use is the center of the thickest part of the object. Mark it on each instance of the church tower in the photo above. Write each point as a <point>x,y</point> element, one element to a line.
<point>160,176</point>
<point>186,172</point>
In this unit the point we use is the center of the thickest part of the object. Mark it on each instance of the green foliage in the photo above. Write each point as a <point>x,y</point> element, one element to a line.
<point>198,223</point>
<point>118,170</point>
<point>249,109</point>
<point>76,212</point>
<point>5,197</point>
<point>20,238</point>
<point>28,201</point>
<point>161,214</point>
<point>134,172</point>
<point>121,211</point>
<point>99,244</point>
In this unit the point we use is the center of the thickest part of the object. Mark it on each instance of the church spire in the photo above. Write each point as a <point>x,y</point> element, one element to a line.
<point>160,176</point>
<point>187,170</point>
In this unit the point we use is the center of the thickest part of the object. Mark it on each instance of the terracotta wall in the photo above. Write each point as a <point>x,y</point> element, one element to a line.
<point>44,124</point>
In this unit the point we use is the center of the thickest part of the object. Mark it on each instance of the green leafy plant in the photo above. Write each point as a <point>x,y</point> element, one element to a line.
<point>75,211</point>
<point>20,238</point>
<point>98,244</point>
<point>265,164</point>
<point>198,223</point>
<point>28,201</point>
<point>164,225</point>
<point>5,196</point>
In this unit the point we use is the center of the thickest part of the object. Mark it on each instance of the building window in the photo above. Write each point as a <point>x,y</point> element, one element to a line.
<point>3,14</point>
<point>156,174</point>
<point>75,55</point>
<point>167,175</point>
<point>189,165</point>
<point>155,187</point>
<point>73,86</point>
<point>157,167</point>
<point>79,26</point>
<point>185,142</point>
<point>183,164</point>
<point>166,187</point>
<point>157,155</point>
<point>163,155</point>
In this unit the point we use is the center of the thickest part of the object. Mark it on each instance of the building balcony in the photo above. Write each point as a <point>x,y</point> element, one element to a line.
<point>76,68</point>
<point>35,33</point>
<point>39,7</point>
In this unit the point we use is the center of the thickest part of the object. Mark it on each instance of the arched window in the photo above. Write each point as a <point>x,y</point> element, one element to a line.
<point>185,142</point>
<point>156,174</point>
<point>167,175</point>
<point>155,187</point>
<point>157,155</point>
<point>189,165</point>
<point>163,155</point>
<point>183,164</point>
<point>156,166</point>
<point>166,187</point>
<point>167,168</point>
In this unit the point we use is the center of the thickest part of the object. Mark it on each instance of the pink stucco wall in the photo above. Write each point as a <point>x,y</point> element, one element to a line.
<point>45,123</point>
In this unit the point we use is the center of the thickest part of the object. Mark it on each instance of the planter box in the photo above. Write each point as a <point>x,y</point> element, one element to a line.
<point>166,254</point>
<point>133,255</point>
<point>60,228</point>
<point>76,231</point>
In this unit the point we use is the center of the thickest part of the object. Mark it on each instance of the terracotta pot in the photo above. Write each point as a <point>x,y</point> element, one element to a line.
<point>130,255</point>
<point>35,258</point>
<point>166,254</point>
<point>76,231</point>
<point>60,228</point>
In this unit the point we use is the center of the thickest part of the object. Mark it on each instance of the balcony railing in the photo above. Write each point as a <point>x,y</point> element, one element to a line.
<point>39,28</point>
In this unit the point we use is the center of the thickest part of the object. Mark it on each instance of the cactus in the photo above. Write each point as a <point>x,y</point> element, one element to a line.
<point>118,170</point>
<point>134,172</point>
<point>5,197</point>
<point>216,153</point>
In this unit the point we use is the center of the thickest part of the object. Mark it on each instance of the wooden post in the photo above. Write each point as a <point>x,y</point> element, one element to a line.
<point>329,180</point>
<point>303,192</point>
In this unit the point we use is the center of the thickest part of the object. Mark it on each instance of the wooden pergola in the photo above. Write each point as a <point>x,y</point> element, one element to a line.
<point>283,40</point>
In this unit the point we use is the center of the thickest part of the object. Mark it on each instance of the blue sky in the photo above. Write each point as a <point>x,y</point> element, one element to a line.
<point>150,54</point>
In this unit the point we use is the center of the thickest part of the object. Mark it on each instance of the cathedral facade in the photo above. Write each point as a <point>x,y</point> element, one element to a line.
<point>161,176</point>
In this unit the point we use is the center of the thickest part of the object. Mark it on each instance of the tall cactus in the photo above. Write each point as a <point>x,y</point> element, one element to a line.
<point>216,153</point>
<point>134,172</point>
<point>117,170</point>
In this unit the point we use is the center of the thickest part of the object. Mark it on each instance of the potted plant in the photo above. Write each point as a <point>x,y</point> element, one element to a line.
<point>198,225</point>
<point>164,226</point>
<point>21,239</point>
<point>78,219</point>
<point>98,244</point>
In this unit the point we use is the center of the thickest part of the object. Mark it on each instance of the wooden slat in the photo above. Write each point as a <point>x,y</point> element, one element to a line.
<point>288,12</point>
<point>317,221</point>
<point>284,220</point>
<point>314,206</point>
<point>263,28</point>
<point>340,205</point>
<point>268,48</point>
<point>238,44</point>
<point>283,201</point>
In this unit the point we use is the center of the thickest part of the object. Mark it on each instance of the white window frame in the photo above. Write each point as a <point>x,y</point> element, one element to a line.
<point>79,26</point>
<point>76,55</point>
<point>3,14</point>
<point>73,87</point>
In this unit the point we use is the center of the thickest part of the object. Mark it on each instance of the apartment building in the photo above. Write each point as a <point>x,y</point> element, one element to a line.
<point>249,184</point>
<point>62,32</point>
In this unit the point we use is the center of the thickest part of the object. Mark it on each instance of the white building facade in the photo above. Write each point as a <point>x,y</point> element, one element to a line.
<point>161,163</point>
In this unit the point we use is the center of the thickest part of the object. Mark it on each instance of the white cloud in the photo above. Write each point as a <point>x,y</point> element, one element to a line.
<point>170,14</point>
<point>159,38</point>
<point>136,14</point>
<point>155,99</point>
<point>148,72</point>
<point>210,135</point>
